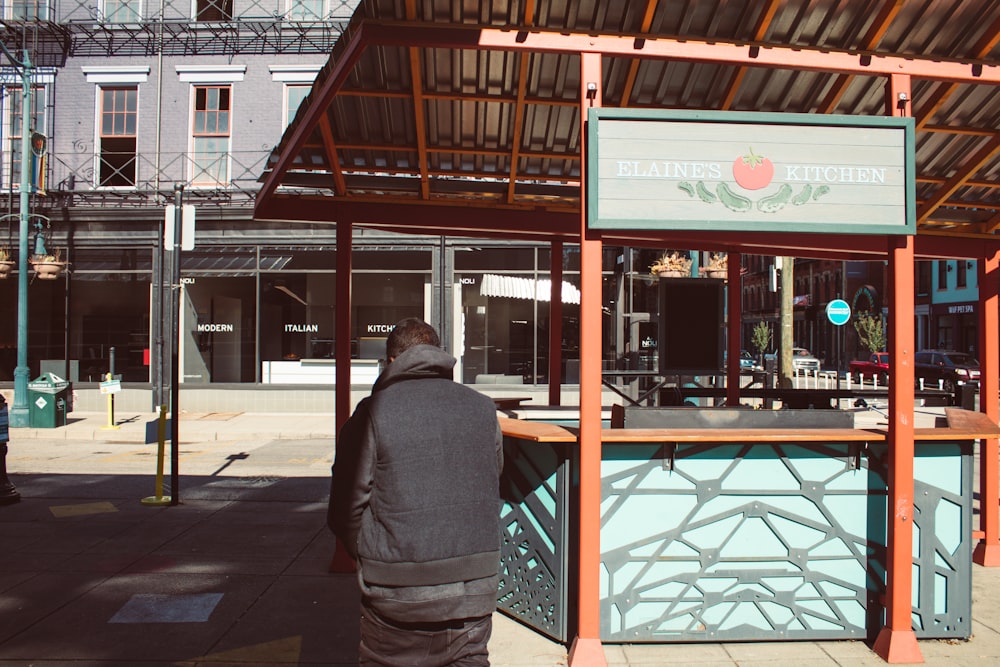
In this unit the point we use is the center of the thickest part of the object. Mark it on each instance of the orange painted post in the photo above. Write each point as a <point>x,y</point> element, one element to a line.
<point>586,649</point>
<point>555,324</point>
<point>987,552</point>
<point>734,330</point>
<point>342,326</point>
<point>897,642</point>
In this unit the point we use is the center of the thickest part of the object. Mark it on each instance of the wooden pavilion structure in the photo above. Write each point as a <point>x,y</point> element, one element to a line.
<point>469,119</point>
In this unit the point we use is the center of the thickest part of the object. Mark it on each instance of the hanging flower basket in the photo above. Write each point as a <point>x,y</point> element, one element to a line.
<point>47,267</point>
<point>6,266</point>
<point>671,265</point>
<point>718,266</point>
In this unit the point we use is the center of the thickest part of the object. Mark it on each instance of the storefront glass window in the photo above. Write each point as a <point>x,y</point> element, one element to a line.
<point>108,315</point>
<point>380,300</point>
<point>505,317</point>
<point>218,329</point>
<point>297,315</point>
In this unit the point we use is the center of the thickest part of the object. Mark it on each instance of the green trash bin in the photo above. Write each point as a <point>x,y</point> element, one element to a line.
<point>48,401</point>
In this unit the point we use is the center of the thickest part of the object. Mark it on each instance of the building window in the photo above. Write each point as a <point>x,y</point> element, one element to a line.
<point>960,273</point>
<point>942,274</point>
<point>27,10</point>
<point>212,106</point>
<point>923,278</point>
<point>214,10</point>
<point>294,94</point>
<point>306,10</point>
<point>118,136</point>
<point>13,105</point>
<point>121,11</point>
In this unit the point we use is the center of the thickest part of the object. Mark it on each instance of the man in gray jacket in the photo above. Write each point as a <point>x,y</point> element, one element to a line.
<point>415,501</point>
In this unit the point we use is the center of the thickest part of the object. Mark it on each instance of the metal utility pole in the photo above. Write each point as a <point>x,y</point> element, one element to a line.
<point>19,410</point>
<point>175,303</point>
<point>786,370</point>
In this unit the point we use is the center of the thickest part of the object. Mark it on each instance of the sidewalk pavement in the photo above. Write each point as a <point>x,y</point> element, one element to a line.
<point>238,572</point>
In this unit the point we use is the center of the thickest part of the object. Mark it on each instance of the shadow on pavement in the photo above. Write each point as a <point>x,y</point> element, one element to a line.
<point>237,573</point>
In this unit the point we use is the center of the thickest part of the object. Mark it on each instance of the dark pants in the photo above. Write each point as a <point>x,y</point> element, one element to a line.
<point>462,643</point>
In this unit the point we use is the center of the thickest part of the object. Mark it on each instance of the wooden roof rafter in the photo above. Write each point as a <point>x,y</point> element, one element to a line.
<point>763,23</point>
<point>419,120</point>
<point>971,166</point>
<point>633,66</point>
<point>985,46</point>
<point>330,147</point>
<point>519,111</point>
<point>875,33</point>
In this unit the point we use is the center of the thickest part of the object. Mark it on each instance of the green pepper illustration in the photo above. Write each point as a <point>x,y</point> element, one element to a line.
<point>686,187</point>
<point>733,201</point>
<point>703,192</point>
<point>776,201</point>
<point>803,196</point>
<point>820,191</point>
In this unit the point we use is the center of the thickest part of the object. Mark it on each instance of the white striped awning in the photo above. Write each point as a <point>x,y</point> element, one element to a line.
<point>513,287</point>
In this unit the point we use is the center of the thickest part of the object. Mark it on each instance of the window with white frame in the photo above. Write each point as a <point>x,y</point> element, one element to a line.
<point>27,10</point>
<point>297,81</point>
<point>121,11</point>
<point>117,152</point>
<point>294,94</point>
<point>306,10</point>
<point>116,132</point>
<point>213,10</point>
<point>211,134</point>
<point>13,105</point>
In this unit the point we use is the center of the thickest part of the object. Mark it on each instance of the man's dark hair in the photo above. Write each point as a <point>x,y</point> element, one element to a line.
<point>407,333</point>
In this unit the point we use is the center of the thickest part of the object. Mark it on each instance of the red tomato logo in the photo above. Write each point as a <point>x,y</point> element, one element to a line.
<point>752,171</point>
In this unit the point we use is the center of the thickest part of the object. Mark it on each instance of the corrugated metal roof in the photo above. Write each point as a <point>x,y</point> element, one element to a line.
<point>415,107</point>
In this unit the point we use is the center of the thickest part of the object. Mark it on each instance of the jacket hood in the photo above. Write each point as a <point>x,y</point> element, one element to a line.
<point>420,361</point>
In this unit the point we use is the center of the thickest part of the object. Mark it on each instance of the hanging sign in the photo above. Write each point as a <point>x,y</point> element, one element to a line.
<point>727,171</point>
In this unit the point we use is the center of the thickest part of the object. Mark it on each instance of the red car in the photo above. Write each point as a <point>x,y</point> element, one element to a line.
<point>877,366</point>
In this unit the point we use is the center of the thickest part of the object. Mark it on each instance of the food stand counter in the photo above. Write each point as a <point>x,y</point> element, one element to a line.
<point>731,534</point>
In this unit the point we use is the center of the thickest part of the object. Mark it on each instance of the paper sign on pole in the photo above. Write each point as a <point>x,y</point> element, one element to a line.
<point>187,227</point>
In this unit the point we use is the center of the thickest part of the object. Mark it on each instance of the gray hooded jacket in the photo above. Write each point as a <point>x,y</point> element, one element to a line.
<point>415,492</point>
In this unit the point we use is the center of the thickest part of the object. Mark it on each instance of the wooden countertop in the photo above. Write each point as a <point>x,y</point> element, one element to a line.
<point>962,425</point>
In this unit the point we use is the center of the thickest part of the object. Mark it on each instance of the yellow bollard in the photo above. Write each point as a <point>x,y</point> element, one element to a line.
<point>161,438</point>
<point>111,426</point>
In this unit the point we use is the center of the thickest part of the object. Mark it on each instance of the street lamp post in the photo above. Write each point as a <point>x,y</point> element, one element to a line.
<point>19,410</point>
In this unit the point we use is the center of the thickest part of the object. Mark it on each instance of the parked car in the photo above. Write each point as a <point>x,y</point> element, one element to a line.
<point>748,363</point>
<point>803,361</point>
<point>877,365</point>
<point>953,368</point>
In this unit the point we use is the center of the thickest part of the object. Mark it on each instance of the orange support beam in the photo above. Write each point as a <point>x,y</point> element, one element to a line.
<point>586,650</point>
<point>897,642</point>
<point>987,552</point>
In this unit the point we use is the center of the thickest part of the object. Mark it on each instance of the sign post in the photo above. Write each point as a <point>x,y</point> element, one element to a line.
<point>838,312</point>
<point>109,387</point>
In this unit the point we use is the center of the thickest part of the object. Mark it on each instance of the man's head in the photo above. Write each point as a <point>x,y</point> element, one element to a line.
<point>408,333</point>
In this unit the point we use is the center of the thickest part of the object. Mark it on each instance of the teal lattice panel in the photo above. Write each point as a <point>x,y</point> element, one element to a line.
<point>768,541</point>
<point>534,521</point>
<point>942,548</point>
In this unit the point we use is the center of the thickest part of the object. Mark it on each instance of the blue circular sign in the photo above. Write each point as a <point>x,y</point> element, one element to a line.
<point>838,311</point>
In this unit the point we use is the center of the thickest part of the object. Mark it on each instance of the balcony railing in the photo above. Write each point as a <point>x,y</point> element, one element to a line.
<point>73,180</point>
